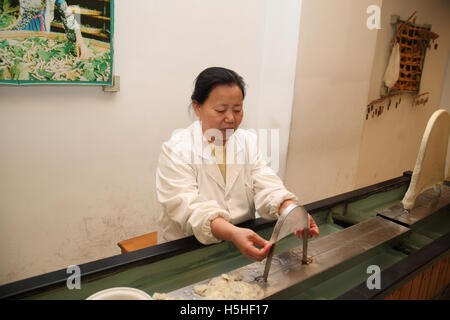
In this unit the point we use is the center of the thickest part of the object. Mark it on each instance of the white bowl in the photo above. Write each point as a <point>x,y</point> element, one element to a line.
<point>120,293</point>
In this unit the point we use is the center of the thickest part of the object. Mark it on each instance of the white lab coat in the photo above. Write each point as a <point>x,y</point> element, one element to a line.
<point>192,191</point>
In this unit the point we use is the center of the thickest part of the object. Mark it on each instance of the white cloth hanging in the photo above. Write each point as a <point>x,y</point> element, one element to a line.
<point>393,69</point>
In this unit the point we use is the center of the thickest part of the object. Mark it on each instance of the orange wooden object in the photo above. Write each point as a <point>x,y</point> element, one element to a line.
<point>425,285</point>
<point>140,242</point>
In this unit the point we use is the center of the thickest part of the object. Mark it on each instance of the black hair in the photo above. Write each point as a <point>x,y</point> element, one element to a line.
<point>212,77</point>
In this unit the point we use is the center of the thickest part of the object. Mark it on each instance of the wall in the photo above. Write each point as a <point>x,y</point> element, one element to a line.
<point>278,68</point>
<point>390,143</point>
<point>445,104</point>
<point>335,55</point>
<point>340,65</point>
<point>77,165</point>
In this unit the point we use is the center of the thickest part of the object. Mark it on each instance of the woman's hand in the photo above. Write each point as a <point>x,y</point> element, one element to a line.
<point>83,52</point>
<point>244,239</point>
<point>313,229</point>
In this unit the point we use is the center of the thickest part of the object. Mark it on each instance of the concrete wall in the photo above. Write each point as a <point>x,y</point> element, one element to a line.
<point>335,55</point>
<point>445,104</point>
<point>341,63</point>
<point>390,143</point>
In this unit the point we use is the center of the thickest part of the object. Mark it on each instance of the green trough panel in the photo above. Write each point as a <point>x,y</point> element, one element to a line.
<point>194,266</point>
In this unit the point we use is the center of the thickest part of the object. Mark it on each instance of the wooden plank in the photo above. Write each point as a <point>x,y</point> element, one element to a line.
<point>102,18</point>
<point>424,284</point>
<point>136,243</point>
<point>440,282</point>
<point>415,287</point>
<point>84,11</point>
<point>396,295</point>
<point>405,291</point>
<point>432,291</point>
<point>447,272</point>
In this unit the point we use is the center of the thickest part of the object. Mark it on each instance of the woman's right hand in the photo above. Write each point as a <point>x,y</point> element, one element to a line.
<point>246,239</point>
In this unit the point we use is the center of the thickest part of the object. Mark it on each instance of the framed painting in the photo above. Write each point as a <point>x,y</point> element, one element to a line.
<point>56,42</point>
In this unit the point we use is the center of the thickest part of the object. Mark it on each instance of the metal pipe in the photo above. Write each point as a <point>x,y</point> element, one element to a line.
<point>305,246</point>
<point>305,259</point>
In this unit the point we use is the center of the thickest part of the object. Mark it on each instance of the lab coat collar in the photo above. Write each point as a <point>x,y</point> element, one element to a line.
<point>203,150</point>
<point>235,160</point>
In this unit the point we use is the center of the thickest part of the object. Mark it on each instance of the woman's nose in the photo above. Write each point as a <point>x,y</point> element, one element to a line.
<point>229,117</point>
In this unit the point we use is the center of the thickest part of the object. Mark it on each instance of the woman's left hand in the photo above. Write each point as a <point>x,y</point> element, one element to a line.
<point>313,229</point>
<point>83,52</point>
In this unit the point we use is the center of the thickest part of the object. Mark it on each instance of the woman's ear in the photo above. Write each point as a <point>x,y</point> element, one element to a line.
<point>196,107</point>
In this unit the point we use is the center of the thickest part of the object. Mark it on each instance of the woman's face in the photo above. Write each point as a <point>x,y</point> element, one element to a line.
<point>222,110</point>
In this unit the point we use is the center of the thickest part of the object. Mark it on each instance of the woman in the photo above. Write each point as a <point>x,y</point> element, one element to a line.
<point>37,15</point>
<point>211,175</point>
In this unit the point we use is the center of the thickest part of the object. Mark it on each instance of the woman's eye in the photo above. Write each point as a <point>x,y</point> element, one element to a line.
<point>220,111</point>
